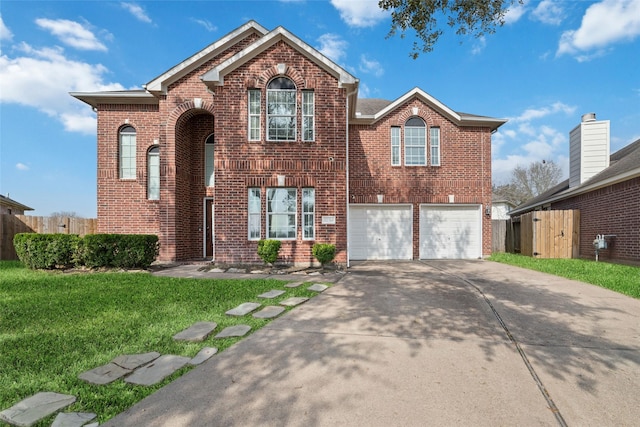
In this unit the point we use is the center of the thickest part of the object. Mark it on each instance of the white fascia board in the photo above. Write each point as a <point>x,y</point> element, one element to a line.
<point>124,97</point>
<point>215,76</point>
<point>162,82</point>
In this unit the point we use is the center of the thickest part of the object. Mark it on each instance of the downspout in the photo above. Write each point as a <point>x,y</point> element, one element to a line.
<point>347,172</point>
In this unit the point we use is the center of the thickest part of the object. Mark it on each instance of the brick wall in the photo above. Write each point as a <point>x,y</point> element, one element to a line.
<point>610,210</point>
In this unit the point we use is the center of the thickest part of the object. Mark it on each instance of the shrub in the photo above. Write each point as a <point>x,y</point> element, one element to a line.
<point>119,250</point>
<point>268,250</point>
<point>46,251</point>
<point>324,252</point>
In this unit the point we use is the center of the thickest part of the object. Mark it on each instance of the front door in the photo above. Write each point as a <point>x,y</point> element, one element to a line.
<point>208,230</point>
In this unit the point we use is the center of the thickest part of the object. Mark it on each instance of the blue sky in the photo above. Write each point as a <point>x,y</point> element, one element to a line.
<point>550,63</point>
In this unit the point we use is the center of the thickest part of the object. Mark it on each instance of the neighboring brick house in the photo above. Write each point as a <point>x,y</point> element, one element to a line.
<point>260,136</point>
<point>605,188</point>
<point>11,207</point>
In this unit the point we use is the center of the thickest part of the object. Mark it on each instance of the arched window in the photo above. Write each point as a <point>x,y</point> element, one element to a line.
<point>209,172</point>
<point>153,173</point>
<point>415,142</point>
<point>127,152</point>
<point>281,110</point>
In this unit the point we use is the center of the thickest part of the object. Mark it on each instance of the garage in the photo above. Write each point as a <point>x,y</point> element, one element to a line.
<point>380,232</point>
<point>450,232</point>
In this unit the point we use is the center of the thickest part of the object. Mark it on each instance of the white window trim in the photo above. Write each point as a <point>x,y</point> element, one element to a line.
<point>437,146</point>
<point>305,114</point>
<point>396,145</point>
<point>131,169</point>
<point>294,116</point>
<point>312,214</point>
<point>153,172</point>
<point>257,115</point>
<point>424,160</point>
<point>253,214</point>
<point>294,213</point>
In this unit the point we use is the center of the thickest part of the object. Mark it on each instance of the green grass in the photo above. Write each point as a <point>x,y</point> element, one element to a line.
<point>54,325</point>
<point>624,279</point>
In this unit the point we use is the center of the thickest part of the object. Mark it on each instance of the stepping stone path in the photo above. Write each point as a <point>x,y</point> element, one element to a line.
<point>32,409</point>
<point>242,309</point>
<point>293,284</point>
<point>134,361</point>
<point>73,419</point>
<point>271,294</point>
<point>234,331</point>
<point>269,312</point>
<point>293,301</point>
<point>203,355</point>
<point>318,287</point>
<point>117,368</point>
<point>196,332</point>
<point>155,372</point>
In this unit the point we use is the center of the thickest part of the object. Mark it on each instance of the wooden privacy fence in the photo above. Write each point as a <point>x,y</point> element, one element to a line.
<point>550,234</point>
<point>10,225</point>
<point>499,235</point>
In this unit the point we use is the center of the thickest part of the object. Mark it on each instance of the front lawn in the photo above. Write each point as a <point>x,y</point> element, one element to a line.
<point>620,278</point>
<point>54,325</point>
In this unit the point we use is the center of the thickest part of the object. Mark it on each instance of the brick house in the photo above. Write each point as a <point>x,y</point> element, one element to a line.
<point>261,136</point>
<point>605,188</point>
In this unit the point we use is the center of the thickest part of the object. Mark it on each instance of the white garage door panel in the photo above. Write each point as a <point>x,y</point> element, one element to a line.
<point>450,232</point>
<point>380,232</point>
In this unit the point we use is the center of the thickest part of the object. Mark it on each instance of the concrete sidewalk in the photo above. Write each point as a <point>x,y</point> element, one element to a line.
<point>419,343</point>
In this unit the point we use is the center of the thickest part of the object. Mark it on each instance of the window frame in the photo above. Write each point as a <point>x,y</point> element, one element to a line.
<point>308,114</point>
<point>435,147</point>
<point>253,224</point>
<point>153,173</point>
<point>396,151</point>
<point>417,142</point>
<point>130,171</point>
<point>254,113</point>
<point>209,161</point>
<point>308,216</point>
<point>271,215</point>
<point>283,100</point>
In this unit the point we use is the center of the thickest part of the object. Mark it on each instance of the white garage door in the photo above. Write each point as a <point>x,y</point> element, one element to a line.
<point>380,232</point>
<point>450,232</point>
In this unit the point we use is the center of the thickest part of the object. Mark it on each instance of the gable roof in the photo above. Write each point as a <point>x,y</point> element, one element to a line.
<point>624,164</point>
<point>6,201</point>
<point>371,110</point>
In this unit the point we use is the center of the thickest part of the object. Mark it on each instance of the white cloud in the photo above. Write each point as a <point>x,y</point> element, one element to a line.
<point>360,13</point>
<point>43,78</point>
<point>479,45</point>
<point>603,24</point>
<point>137,11</point>
<point>332,46</point>
<point>206,24</point>
<point>5,33</point>
<point>549,12</point>
<point>71,33</point>
<point>22,167</point>
<point>370,66</point>
<point>537,113</point>
<point>514,13</point>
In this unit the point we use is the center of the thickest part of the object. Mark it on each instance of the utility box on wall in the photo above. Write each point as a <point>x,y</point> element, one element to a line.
<point>550,234</point>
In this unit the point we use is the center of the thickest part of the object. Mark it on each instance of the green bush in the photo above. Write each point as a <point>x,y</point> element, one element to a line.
<point>324,252</point>
<point>268,250</point>
<point>47,251</point>
<point>119,250</point>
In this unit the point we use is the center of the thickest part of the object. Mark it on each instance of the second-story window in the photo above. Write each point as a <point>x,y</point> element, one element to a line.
<point>254,114</point>
<point>308,114</point>
<point>415,142</point>
<point>281,110</point>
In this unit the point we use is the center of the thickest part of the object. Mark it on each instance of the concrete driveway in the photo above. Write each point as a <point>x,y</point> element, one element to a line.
<point>423,343</point>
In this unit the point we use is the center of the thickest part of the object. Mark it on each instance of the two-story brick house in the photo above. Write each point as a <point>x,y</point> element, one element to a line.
<point>260,136</point>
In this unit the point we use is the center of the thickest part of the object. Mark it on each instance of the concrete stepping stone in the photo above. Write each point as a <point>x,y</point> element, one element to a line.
<point>134,361</point>
<point>197,332</point>
<point>234,331</point>
<point>36,407</point>
<point>271,294</point>
<point>236,270</point>
<point>269,312</point>
<point>242,309</point>
<point>155,372</point>
<point>203,355</point>
<point>73,419</point>
<point>104,374</point>
<point>216,270</point>
<point>293,301</point>
<point>318,287</point>
<point>293,284</point>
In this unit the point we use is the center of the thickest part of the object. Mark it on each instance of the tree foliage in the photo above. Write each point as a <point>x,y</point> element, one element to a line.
<point>473,17</point>
<point>529,182</point>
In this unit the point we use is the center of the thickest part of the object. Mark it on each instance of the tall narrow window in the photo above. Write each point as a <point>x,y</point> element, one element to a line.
<point>281,110</point>
<point>127,153</point>
<point>435,146</point>
<point>395,146</point>
<point>209,171</point>
<point>308,114</point>
<point>254,114</point>
<point>308,213</point>
<point>153,173</point>
<point>415,142</point>
<point>281,213</point>
<point>254,214</point>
